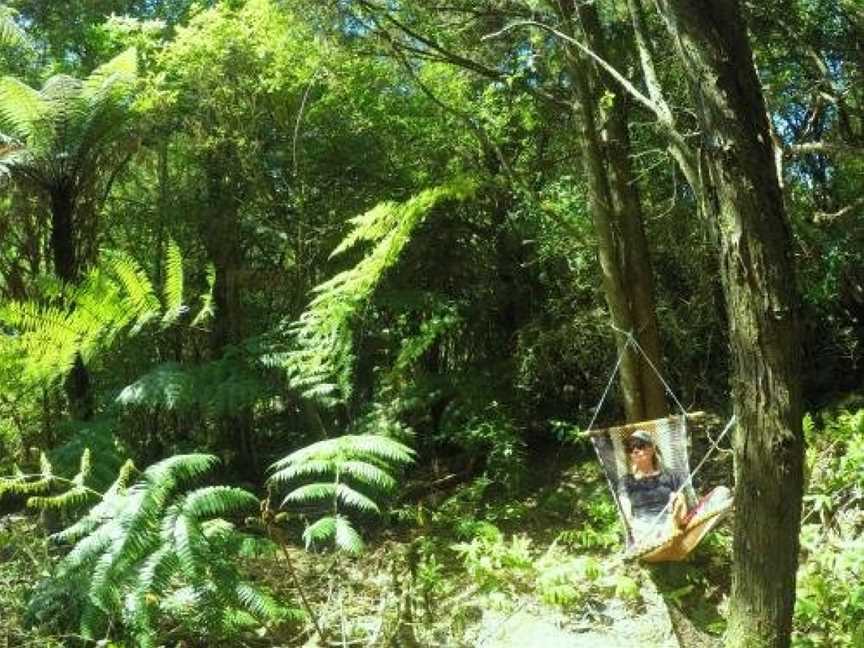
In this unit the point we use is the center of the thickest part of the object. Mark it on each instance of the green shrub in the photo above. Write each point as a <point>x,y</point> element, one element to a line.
<point>495,564</point>
<point>829,575</point>
<point>153,551</point>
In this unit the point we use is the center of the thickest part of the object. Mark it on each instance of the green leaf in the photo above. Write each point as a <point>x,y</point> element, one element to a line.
<point>303,468</point>
<point>368,474</point>
<point>21,108</point>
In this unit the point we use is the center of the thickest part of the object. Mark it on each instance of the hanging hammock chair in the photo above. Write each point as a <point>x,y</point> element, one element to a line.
<point>670,438</point>
<point>665,542</point>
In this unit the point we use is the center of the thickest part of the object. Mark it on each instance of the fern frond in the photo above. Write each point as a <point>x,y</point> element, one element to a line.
<point>323,334</point>
<point>84,469</point>
<point>347,459</point>
<point>180,468</point>
<point>140,298</point>
<point>45,467</point>
<point>311,493</point>
<point>319,531</point>
<point>21,108</point>
<point>356,499</point>
<point>259,604</point>
<point>114,298</point>
<point>372,225</point>
<point>172,290</point>
<point>368,474</point>
<point>90,548</point>
<point>93,621</point>
<point>68,499</point>
<point>23,486</point>
<point>154,576</point>
<point>347,537</point>
<point>309,467</point>
<point>383,448</point>
<point>187,540</point>
<point>218,500</point>
<point>122,69</point>
<point>353,445</point>
<point>150,548</point>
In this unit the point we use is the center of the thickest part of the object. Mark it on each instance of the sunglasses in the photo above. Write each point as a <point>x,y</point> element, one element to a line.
<point>638,445</point>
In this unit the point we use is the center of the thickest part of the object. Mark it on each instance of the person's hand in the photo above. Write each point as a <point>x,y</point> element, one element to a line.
<point>679,508</point>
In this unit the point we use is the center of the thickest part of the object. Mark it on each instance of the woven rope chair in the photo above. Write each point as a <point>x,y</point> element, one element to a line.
<point>670,438</point>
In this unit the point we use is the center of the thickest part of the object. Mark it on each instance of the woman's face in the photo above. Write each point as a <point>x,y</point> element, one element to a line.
<point>641,452</point>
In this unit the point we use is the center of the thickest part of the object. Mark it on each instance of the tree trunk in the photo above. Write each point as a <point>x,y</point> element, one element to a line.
<point>63,236</point>
<point>617,214</point>
<point>635,256</point>
<point>225,247</point>
<point>743,194</point>
<point>67,267</point>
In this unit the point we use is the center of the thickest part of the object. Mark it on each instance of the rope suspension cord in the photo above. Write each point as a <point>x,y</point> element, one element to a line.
<point>597,409</point>
<point>631,339</point>
<point>614,373</point>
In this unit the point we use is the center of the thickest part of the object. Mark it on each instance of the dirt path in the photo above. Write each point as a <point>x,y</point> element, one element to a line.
<point>617,627</point>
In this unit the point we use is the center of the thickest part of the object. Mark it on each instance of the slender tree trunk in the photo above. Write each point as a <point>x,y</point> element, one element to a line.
<point>743,194</point>
<point>67,267</point>
<point>600,206</point>
<point>617,214</point>
<point>635,256</point>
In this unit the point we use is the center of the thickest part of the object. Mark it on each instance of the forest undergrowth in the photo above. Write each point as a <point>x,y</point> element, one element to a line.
<point>478,563</point>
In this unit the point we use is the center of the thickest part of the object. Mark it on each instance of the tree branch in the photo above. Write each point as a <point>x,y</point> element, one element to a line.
<point>835,148</point>
<point>610,69</point>
<point>438,52</point>
<point>646,59</point>
<point>821,217</point>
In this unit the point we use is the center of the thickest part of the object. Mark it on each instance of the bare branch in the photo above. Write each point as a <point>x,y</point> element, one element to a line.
<point>610,69</point>
<point>300,112</point>
<point>835,148</point>
<point>437,52</point>
<point>821,217</point>
<point>646,59</point>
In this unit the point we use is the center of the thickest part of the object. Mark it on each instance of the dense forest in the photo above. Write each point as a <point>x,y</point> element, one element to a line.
<point>322,322</point>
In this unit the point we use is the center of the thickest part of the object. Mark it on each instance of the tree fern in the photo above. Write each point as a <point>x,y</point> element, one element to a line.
<point>152,549</point>
<point>56,135</point>
<point>350,464</point>
<point>321,364</point>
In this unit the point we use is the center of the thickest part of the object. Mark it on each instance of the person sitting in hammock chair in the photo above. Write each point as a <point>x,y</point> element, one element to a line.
<point>651,497</point>
<point>646,491</point>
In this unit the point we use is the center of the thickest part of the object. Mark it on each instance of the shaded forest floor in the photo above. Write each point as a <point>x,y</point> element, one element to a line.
<point>476,565</point>
<point>538,566</point>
